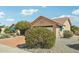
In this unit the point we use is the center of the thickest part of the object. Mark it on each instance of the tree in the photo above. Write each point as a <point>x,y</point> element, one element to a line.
<point>0,30</point>
<point>22,26</point>
<point>74,28</point>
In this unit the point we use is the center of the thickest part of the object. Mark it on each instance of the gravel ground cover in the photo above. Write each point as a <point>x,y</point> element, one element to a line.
<point>61,46</point>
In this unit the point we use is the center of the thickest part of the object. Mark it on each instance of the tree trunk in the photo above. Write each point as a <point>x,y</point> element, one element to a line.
<point>22,32</point>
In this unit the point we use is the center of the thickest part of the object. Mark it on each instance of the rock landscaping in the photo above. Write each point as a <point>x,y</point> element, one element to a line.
<point>61,46</point>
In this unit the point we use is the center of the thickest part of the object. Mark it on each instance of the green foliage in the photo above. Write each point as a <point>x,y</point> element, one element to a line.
<point>10,29</point>
<point>2,36</point>
<point>22,26</point>
<point>13,35</point>
<point>7,30</point>
<point>77,32</point>
<point>0,30</point>
<point>40,38</point>
<point>67,34</point>
<point>74,28</point>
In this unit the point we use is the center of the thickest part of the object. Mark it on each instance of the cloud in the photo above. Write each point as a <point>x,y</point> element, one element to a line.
<point>28,12</point>
<point>2,14</point>
<point>61,16</point>
<point>65,16</point>
<point>11,19</point>
<point>75,12</point>
<point>74,19</point>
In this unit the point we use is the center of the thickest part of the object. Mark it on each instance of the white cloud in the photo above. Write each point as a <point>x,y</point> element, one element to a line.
<point>65,16</point>
<point>2,14</point>
<point>27,12</point>
<point>75,12</point>
<point>61,16</point>
<point>11,19</point>
<point>74,19</point>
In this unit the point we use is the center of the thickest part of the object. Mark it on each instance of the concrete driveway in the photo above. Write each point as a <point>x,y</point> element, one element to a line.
<point>7,49</point>
<point>64,45</point>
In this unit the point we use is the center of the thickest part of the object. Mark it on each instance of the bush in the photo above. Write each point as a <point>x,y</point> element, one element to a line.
<point>8,30</point>
<point>74,28</point>
<point>13,35</point>
<point>2,36</point>
<point>67,34</point>
<point>40,38</point>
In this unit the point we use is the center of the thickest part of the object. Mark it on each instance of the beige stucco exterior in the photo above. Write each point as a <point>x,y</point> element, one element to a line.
<point>66,26</point>
<point>50,28</point>
<point>53,25</point>
<point>2,30</point>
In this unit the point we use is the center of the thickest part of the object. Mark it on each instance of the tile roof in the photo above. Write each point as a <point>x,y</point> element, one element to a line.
<point>61,20</point>
<point>44,21</point>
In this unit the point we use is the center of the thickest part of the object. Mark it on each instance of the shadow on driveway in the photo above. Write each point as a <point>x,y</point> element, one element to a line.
<point>74,46</point>
<point>22,46</point>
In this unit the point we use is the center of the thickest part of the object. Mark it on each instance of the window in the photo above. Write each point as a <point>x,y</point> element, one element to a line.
<point>61,28</point>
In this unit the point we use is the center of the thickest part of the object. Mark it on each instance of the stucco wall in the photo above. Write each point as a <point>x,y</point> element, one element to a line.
<point>66,25</point>
<point>2,30</point>
<point>50,28</point>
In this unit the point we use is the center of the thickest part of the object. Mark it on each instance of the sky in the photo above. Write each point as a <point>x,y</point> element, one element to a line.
<point>13,14</point>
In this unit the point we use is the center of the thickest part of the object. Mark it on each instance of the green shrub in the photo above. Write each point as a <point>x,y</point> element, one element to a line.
<point>67,34</point>
<point>2,36</point>
<point>77,32</point>
<point>7,30</point>
<point>74,28</point>
<point>40,38</point>
<point>13,35</point>
<point>10,29</point>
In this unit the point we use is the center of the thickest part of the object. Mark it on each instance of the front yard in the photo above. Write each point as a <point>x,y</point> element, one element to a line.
<point>13,42</point>
<point>62,45</point>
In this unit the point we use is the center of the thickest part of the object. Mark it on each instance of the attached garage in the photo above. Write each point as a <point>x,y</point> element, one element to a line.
<point>55,25</point>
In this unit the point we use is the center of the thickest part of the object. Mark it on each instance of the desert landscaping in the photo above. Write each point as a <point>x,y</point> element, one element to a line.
<point>39,30</point>
<point>15,41</point>
<point>62,45</point>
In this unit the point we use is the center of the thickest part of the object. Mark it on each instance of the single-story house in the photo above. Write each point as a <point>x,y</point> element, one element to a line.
<point>56,25</point>
<point>2,28</point>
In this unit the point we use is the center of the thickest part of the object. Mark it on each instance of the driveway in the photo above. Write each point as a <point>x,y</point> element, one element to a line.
<point>64,45</point>
<point>7,49</point>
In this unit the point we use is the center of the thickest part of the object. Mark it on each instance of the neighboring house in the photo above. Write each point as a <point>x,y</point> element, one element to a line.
<point>2,28</point>
<point>55,25</point>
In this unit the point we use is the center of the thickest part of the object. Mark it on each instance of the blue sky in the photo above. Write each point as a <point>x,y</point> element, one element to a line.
<point>13,14</point>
